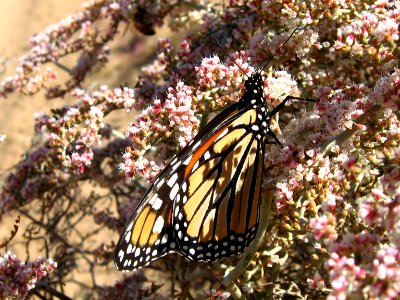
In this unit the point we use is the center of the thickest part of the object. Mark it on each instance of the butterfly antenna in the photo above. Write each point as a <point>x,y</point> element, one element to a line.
<point>227,54</point>
<point>280,47</point>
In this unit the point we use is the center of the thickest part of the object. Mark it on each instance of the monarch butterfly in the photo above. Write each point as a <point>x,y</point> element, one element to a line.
<point>205,204</point>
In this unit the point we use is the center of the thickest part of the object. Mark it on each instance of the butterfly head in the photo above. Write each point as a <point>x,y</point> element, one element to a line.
<point>254,93</point>
<point>255,84</point>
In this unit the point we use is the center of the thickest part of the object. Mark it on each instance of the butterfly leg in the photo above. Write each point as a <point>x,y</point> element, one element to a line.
<point>276,140</point>
<point>282,104</point>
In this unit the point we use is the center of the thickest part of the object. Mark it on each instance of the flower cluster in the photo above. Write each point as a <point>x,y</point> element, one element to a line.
<point>18,278</point>
<point>376,275</point>
<point>219,85</point>
<point>173,118</point>
<point>381,207</point>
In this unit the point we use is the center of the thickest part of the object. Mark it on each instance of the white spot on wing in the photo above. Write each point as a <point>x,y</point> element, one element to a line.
<point>160,182</point>
<point>175,166</point>
<point>174,191</point>
<point>157,203</point>
<point>223,133</point>
<point>137,252</point>
<point>196,165</point>
<point>129,226</point>
<point>197,145</point>
<point>174,160</point>
<point>187,160</point>
<point>172,180</point>
<point>128,236</point>
<point>207,155</point>
<point>164,239</point>
<point>158,225</point>
<point>121,255</point>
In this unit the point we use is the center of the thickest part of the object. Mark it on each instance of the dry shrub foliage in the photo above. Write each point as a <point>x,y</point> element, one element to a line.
<point>334,230</point>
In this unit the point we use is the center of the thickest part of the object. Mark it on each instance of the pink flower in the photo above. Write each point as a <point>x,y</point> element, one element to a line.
<point>324,226</point>
<point>18,278</point>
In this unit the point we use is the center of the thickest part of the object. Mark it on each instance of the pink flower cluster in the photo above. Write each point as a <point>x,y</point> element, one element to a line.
<point>220,84</point>
<point>340,109</point>
<point>326,204</point>
<point>374,275</point>
<point>278,86</point>
<point>172,118</point>
<point>18,278</point>
<point>373,26</point>
<point>382,207</point>
<point>75,130</point>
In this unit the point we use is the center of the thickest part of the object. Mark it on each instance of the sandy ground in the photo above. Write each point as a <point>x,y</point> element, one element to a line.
<point>20,19</point>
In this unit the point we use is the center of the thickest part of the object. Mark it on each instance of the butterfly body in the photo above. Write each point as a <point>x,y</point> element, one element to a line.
<point>205,204</point>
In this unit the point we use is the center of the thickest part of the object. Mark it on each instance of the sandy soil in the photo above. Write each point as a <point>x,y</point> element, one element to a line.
<point>20,19</point>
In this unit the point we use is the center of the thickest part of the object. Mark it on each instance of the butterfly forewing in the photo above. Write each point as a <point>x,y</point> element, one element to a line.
<point>205,204</point>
